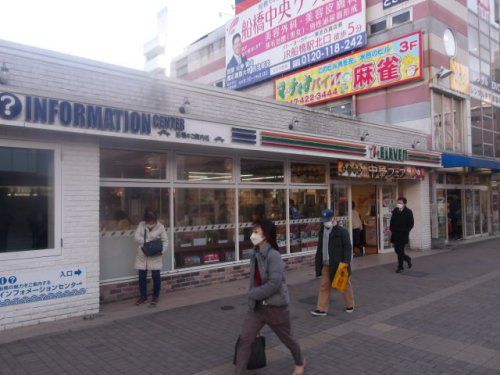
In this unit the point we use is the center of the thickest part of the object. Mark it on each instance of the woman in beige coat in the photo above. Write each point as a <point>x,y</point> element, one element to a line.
<point>152,229</point>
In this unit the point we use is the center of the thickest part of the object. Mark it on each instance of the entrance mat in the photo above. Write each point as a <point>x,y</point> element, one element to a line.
<point>415,273</point>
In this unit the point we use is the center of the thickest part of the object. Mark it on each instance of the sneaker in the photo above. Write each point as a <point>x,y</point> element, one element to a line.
<point>400,270</point>
<point>349,310</point>
<point>141,300</point>
<point>318,313</point>
<point>154,302</point>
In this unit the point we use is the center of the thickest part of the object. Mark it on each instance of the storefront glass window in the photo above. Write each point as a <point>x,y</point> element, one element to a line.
<point>127,164</point>
<point>495,191</point>
<point>469,217</point>
<point>477,212</point>
<point>340,200</point>
<point>304,231</point>
<point>197,168</point>
<point>254,171</point>
<point>255,204</point>
<point>308,173</point>
<point>121,210</point>
<point>484,212</point>
<point>200,237</point>
<point>442,214</point>
<point>26,199</point>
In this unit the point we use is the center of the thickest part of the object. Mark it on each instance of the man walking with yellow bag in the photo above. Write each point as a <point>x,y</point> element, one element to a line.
<point>334,248</point>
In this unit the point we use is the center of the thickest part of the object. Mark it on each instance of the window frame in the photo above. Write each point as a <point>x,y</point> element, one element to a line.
<point>58,204</point>
<point>137,180</point>
<point>245,184</point>
<point>389,20</point>
<point>233,179</point>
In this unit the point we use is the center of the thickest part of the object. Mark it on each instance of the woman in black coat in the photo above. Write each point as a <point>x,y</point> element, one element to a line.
<point>401,224</point>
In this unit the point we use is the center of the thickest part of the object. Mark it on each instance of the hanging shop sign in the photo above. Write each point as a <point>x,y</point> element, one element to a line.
<point>276,36</point>
<point>378,171</point>
<point>35,286</point>
<point>459,80</point>
<point>388,153</point>
<point>63,115</point>
<point>388,64</point>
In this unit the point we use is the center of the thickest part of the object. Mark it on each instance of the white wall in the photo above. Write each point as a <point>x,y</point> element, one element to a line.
<point>79,222</point>
<point>417,194</point>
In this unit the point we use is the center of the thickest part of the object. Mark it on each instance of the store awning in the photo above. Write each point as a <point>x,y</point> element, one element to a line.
<point>455,160</point>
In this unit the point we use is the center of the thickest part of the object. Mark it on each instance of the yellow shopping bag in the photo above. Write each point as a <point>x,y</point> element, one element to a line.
<point>341,277</point>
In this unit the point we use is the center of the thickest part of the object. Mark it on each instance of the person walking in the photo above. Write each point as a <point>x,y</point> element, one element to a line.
<point>334,246</point>
<point>148,230</point>
<point>357,228</point>
<point>268,299</point>
<point>401,225</point>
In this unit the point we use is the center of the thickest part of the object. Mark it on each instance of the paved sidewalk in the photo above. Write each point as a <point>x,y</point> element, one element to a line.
<point>440,317</point>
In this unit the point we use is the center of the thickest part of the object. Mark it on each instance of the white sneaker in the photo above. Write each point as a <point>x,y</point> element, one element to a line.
<point>318,313</point>
<point>349,310</point>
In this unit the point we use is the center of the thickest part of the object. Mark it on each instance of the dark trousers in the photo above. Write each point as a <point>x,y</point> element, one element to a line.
<point>278,319</point>
<point>400,250</point>
<point>143,283</point>
<point>357,239</point>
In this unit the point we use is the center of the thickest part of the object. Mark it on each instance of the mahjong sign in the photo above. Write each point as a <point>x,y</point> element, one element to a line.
<point>388,64</point>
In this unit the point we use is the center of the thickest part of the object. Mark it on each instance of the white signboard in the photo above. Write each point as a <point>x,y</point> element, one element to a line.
<point>277,36</point>
<point>41,285</point>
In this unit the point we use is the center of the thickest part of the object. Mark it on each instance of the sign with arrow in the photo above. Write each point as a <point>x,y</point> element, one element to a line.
<point>42,285</point>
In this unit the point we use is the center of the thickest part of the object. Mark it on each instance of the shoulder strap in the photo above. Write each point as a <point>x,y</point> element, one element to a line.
<point>144,235</point>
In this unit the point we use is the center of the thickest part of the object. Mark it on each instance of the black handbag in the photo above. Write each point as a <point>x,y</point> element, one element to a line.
<point>152,248</point>
<point>257,357</point>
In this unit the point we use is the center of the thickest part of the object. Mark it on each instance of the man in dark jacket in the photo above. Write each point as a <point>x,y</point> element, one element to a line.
<point>334,246</point>
<point>401,225</point>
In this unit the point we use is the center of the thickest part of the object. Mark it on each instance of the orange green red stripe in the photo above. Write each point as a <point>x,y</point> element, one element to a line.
<point>426,157</point>
<point>300,142</point>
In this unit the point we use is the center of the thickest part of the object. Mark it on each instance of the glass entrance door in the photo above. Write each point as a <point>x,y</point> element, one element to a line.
<point>387,201</point>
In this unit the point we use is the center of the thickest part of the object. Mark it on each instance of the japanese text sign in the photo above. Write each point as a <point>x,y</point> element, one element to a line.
<point>276,36</point>
<point>378,171</point>
<point>459,80</point>
<point>387,64</point>
<point>35,286</point>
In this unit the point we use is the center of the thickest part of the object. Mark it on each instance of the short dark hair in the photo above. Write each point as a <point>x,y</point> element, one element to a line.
<point>150,214</point>
<point>237,35</point>
<point>269,231</point>
<point>402,199</point>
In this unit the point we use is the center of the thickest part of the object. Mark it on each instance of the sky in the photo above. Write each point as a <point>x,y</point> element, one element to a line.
<point>112,31</point>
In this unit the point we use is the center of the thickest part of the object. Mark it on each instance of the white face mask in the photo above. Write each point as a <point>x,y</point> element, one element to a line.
<point>329,224</point>
<point>400,206</point>
<point>256,239</point>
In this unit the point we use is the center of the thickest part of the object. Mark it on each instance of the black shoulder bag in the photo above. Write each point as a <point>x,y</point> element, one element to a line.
<point>152,248</point>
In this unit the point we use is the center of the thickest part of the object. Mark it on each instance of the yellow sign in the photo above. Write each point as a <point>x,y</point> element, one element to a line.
<point>390,63</point>
<point>459,80</point>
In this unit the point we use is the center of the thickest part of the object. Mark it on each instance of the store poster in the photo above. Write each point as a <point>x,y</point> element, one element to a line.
<point>276,36</point>
<point>388,64</point>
